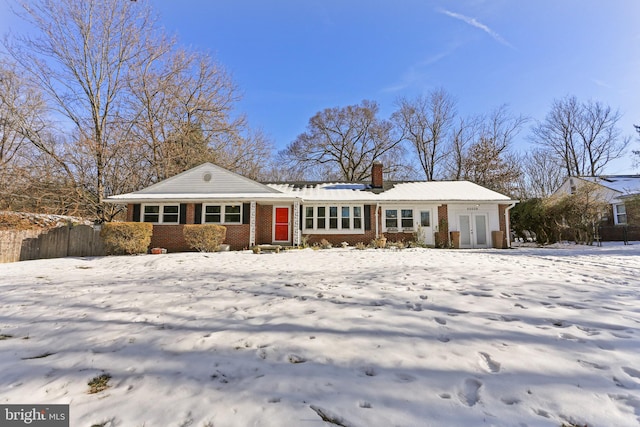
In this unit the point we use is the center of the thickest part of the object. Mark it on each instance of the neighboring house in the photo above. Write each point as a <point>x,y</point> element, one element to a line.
<point>285,213</point>
<point>621,222</point>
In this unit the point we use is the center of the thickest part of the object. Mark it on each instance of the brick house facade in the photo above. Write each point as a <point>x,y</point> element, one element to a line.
<point>289,213</point>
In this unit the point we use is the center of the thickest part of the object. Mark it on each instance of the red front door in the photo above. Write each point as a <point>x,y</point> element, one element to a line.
<point>282,225</point>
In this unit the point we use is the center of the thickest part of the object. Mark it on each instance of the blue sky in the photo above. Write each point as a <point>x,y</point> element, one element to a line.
<point>293,58</point>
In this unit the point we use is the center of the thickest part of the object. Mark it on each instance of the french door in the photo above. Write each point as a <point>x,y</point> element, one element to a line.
<point>473,231</point>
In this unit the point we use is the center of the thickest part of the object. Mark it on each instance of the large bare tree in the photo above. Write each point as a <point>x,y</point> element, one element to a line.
<point>542,174</point>
<point>427,122</point>
<point>80,54</point>
<point>584,136</point>
<point>342,143</point>
<point>130,107</point>
<point>484,153</point>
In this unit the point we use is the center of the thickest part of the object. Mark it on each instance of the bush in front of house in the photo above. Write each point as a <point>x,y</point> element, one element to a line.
<point>126,238</point>
<point>204,237</point>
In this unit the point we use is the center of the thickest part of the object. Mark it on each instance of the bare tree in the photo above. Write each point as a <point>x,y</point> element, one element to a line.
<point>183,103</point>
<point>482,151</point>
<point>542,174</point>
<point>79,55</point>
<point>131,107</point>
<point>462,135</point>
<point>426,122</point>
<point>342,143</point>
<point>583,135</point>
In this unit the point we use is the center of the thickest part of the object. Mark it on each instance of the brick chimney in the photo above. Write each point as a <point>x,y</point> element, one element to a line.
<point>376,174</point>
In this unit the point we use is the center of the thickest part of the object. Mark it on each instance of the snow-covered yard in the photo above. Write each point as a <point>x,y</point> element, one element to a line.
<point>417,337</point>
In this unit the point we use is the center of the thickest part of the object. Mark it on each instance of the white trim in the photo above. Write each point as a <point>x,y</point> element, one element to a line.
<point>160,213</point>
<point>616,214</point>
<point>223,214</point>
<point>296,223</point>
<point>339,229</point>
<point>399,228</point>
<point>252,223</point>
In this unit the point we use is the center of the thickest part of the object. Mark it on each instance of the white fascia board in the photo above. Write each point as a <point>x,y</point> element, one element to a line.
<point>168,198</point>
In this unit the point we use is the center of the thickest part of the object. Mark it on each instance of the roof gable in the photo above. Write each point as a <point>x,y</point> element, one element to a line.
<point>207,179</point>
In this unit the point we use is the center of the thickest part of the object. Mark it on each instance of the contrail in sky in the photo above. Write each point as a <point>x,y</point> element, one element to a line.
<point>475,23</point>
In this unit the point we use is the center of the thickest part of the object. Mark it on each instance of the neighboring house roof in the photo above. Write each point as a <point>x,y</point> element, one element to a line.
<point>211,182</point>
<point>626,185</point>
<point>614,188</point>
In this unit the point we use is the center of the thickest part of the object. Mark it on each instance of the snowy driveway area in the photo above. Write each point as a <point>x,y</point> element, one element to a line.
<point>413,337</point>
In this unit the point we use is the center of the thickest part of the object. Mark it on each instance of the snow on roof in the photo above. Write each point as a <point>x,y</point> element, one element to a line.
<point>442,190</point>
<point>432,191</point>
<point>625,184</point>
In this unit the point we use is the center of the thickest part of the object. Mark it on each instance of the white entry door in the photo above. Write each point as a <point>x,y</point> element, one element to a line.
<point>425,227</point>
<point>473,231</point>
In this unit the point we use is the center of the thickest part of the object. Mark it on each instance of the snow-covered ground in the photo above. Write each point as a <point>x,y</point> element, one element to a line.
<point>417,337</point>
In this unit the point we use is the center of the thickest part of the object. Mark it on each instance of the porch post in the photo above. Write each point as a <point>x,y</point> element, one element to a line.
<point>252,224</point>
<point>296,222</point>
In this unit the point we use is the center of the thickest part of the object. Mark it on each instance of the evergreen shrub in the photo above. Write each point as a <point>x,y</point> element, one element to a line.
<point>204,237</point>
<point>126,238</point>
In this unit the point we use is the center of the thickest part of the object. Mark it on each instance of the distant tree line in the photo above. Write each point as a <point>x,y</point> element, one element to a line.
<point>97,100</point>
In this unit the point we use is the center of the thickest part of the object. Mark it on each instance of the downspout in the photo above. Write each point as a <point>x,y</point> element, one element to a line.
<point>508,223</point>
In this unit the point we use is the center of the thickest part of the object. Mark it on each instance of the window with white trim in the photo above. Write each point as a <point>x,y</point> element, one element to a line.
<point>620,213</point>
<point>222,214</point>
<point>425,219</point>
<point>397,220</point>
<point>161,214</point>
<point>333,219</point>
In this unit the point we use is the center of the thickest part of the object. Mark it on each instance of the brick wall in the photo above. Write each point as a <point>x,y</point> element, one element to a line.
<point>169,237</point>
<point>443,226</point>
<point>264,224</point>
<point>238,236</point>
<point>503,226</point>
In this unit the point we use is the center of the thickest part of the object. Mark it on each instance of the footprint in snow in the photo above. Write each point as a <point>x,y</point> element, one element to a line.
<point>440,320</point>
<point>510,400</point>
<point>488,363</point>
<point>469,393</point>
<point>631,372</point>
<point>405,378</point>
<point>592,365</point>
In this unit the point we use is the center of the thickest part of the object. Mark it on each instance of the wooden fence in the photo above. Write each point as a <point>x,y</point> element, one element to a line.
<point>79,240</point>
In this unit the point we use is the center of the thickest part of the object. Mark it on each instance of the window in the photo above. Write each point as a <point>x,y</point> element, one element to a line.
<point>161,214</point>
<point>151,213</point>
<point>333,219</point>
<point>425,219</point>
<point>308,217</point>
<point>222,214</point>
<point>620,212</point>
<point>346,214</point>
<point>322,218</point>
<point>395,219</point>
<point>407,218</point>
<point>357,217</point>
<point>233,214</point>
<point>391,218</point>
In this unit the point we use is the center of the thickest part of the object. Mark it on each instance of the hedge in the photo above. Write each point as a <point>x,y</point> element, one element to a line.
<point>126,238</point>
<point>204,237</point>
